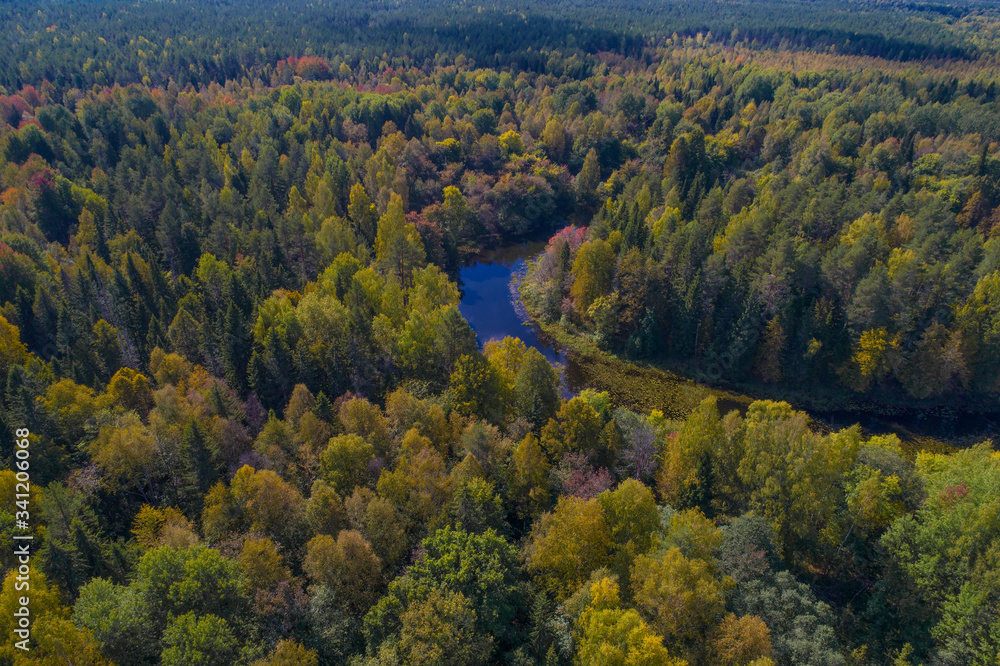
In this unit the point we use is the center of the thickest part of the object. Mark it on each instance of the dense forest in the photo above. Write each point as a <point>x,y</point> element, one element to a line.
<point>261,432</point>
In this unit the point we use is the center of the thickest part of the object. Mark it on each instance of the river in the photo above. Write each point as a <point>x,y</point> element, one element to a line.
<point>491,305</point>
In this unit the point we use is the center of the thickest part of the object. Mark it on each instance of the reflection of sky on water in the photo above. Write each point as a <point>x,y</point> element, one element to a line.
<point>488,302</point>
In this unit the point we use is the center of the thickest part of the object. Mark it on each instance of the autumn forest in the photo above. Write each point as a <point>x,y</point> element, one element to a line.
<point>260,430</point>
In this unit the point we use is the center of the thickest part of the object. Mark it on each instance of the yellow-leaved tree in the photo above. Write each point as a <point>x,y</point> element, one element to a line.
<point>613,636</point>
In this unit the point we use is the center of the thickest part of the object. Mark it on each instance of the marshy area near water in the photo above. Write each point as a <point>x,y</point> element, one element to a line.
<point>491,305</point>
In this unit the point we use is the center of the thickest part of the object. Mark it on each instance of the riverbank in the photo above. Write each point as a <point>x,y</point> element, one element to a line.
<point>633,385</point>
<point>643,386</point>
<point>493,305</point>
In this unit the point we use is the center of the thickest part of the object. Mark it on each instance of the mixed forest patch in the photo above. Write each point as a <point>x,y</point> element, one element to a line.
<point>262,432</point>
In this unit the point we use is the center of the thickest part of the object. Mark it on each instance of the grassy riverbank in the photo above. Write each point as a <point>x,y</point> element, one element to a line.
<point>634,385</point>
<point>643,386</point>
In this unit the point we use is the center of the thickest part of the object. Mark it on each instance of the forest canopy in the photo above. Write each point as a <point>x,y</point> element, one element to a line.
<point>263,433</point>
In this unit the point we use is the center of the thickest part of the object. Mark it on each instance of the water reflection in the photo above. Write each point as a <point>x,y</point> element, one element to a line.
<point>491,306</point>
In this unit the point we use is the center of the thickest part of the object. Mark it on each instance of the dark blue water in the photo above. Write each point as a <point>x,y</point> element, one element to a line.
<point>490,304</point>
